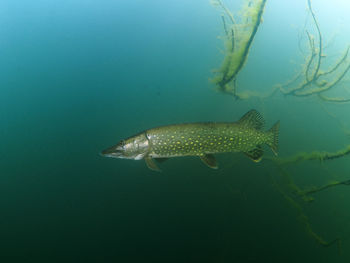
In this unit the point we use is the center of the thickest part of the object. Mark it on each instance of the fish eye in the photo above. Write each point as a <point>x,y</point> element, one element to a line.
<point>122,144</point>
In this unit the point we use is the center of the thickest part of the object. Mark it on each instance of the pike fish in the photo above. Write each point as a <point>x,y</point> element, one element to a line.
<point>203,139</point>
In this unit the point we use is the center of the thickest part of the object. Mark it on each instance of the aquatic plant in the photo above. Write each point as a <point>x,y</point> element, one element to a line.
<point>239,35</point>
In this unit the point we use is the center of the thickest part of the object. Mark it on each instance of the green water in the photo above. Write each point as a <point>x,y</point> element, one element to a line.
<point>78,76</point>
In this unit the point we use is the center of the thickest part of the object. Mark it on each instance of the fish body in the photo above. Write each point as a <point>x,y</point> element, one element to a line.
<point>199,139</point>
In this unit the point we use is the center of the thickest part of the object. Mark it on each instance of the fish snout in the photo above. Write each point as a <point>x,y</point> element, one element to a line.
<point>114,151</point>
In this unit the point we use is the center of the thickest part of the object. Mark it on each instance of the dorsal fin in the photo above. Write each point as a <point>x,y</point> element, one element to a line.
<point>252,119</point>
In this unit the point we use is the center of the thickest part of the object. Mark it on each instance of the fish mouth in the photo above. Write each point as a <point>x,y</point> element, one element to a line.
<point>113,152</point>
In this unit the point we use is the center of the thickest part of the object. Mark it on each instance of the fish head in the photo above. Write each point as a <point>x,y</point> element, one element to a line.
<point>135,147</point>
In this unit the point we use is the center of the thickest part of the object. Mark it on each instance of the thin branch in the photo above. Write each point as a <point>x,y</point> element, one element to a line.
<point>324,187</point>
<point>337,65</point>
<point>224,23</point>
<point>319,53</point>
<point>319,156</point>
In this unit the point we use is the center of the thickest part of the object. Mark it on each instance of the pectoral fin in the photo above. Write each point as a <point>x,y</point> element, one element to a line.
<point>209,160</point>
<point>255,154</point>
<point>151,164</point>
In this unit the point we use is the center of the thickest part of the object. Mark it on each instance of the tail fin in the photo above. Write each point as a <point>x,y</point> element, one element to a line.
<point>273,137</point>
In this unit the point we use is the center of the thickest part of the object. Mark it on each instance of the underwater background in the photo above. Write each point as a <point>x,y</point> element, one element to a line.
<point>77,76</point>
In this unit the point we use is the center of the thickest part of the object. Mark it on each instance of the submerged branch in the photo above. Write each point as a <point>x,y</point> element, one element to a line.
<point>319,51</point>
<point>334,99</point>
<point>303,218</point>
<point>224,24</point>
<point>312,72</point>
<point>337,65</point>
<point>324,187</point>
<point>318,156</point>
<point>314,81</point>
<point>238,46</point>
<point>295,191</point>
<point>225,9</point>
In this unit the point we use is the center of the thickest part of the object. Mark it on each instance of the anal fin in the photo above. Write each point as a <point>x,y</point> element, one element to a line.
<point>255,154</point>
<point>151,164</point>
<point>209,160</point>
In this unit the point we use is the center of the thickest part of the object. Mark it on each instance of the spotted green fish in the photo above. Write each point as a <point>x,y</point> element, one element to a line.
<point>201,139</point>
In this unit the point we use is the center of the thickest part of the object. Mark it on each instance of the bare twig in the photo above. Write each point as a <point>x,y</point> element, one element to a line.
<point>312,85</point>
